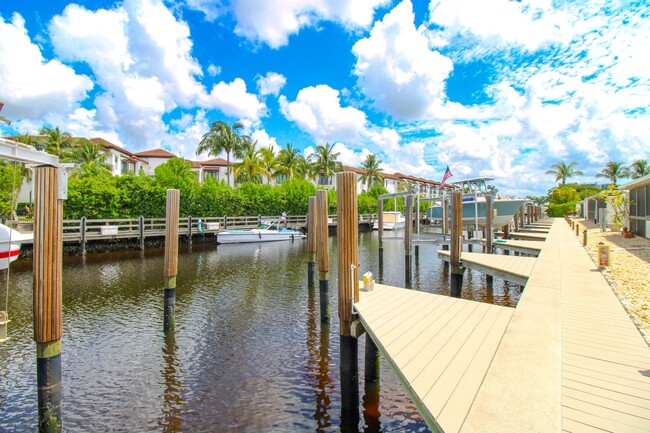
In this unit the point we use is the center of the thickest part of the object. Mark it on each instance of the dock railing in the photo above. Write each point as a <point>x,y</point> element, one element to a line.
<point>84,229</point>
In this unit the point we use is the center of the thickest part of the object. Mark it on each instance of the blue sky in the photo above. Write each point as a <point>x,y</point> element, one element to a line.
<point>495,88</point>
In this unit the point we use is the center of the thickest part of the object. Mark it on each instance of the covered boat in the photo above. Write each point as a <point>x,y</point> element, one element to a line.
<point>474,207</point>
<point>392,221</point>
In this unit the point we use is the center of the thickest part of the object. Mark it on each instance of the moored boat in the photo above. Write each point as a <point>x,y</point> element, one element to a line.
<point>269,231</point>
<point>474,205</point>
<point>10,241</point>
<point>393,220</point>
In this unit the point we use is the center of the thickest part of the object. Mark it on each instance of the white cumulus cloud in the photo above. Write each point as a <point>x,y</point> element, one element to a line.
<point>397,69</point>
<point>32,85</point>
<point>273,21</point>
<point>271,83</point>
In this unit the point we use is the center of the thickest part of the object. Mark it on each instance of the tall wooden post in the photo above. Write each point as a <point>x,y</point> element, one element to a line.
<point>456,243</point>
<point>82,229</point>
<point>445,220</point>
<point>489,215</point>
<point>416,248</point>
<point>48,295</point>
<point>189,230</point>
<point>171,257</point>
<point>506,231</point>
<point>141,231</point>
<point>311,241</point>
<point>380,231</point>
<point>408,238</point>
<point>521,218</point>
<point>516,220</point>
<point>347,233</point>
<point>323,254</point>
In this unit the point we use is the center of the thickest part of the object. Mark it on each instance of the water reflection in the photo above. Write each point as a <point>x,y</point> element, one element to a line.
<point>173,401</point>
<point>237,361</point>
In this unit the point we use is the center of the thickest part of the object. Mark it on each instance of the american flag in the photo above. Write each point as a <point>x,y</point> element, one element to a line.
<point>446,176</point>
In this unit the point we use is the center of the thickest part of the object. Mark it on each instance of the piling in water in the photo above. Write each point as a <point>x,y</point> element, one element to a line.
<point>347,233</point>
<point>408,238</point>
<point>48,296</point>
<point>311,241</point>
<point>171,257</point>
<point>456,243</point>
<point>322,232</point>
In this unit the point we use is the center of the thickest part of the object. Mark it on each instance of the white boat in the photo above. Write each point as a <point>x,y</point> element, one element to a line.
<point>10,241</point>
<point>269,231</point>
<point>474,207</point>
<point>393,220</point>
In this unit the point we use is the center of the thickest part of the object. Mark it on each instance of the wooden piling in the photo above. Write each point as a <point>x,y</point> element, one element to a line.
<point>141,231</point>
<point>347,233</point>
<point>456,243</point>
<point>171,257</point>
<point>521,217</point>
<point>408,238</point>
<point>322,247</point>
<point>380,231</point>
<point>584,238</point>
<point>82,230</point>
<point>489,216</point>
<point>48,295</point>
<point>189,230</point>
<point>445,224</point>
<point>311,240</point>
<point>506,231</point>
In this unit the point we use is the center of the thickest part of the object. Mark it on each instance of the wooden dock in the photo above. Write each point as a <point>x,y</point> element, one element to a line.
<point>440,347</point>
<point>567,358</point>
<point>526,236</point>
<point>515,269</point>
<point>519,246</point>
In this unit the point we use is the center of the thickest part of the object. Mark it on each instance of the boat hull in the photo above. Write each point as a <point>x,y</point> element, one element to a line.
<point>474,212</point>
<point>392,221</point>
<point>251,236</point>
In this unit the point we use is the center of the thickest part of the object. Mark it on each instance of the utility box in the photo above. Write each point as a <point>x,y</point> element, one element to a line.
<point>212,226</point>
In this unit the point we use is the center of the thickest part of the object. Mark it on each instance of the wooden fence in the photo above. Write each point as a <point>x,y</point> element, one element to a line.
<point>82,230</point>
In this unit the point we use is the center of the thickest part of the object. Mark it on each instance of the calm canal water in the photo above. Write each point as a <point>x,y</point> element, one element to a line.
<point>248,355</point>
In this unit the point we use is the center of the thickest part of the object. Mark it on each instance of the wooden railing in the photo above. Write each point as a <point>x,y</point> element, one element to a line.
<point>82,230</point>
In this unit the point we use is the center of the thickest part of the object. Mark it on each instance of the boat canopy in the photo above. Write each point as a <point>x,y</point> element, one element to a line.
<point>474,185</point>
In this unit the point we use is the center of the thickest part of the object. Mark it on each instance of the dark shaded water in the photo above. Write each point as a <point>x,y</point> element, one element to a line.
<point>248,355</point>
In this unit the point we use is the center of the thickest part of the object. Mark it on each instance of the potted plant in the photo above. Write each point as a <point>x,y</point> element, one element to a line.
<point>627,233</point>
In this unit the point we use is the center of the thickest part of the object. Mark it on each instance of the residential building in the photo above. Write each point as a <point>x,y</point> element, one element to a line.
<point>154,158</point>
<point>639,217</point>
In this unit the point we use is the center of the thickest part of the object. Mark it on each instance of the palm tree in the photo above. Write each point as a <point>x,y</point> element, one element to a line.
<point>90,157</point>
<point>371,167</point>
<point>614,170</point>
<point>291,163</point>
<point>55,139</point>
<point>561,171</point>
<point>250,169</point>
<point>223,137</point>
<point>31,141</point>
<point>269,162</point>
<point>639,168</point>
<point>324,162</point>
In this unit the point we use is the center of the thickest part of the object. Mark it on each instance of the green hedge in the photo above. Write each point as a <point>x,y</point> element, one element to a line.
<point>561,210</point>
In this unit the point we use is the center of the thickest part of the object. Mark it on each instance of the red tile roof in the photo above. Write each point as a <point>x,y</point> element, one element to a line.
<point>156,153</point>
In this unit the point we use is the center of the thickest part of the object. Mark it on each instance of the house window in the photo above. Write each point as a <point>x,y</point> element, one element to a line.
<point>280,178</point>
<point>324,180</point>
<point>124,167</point>
<point>212,174</point>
